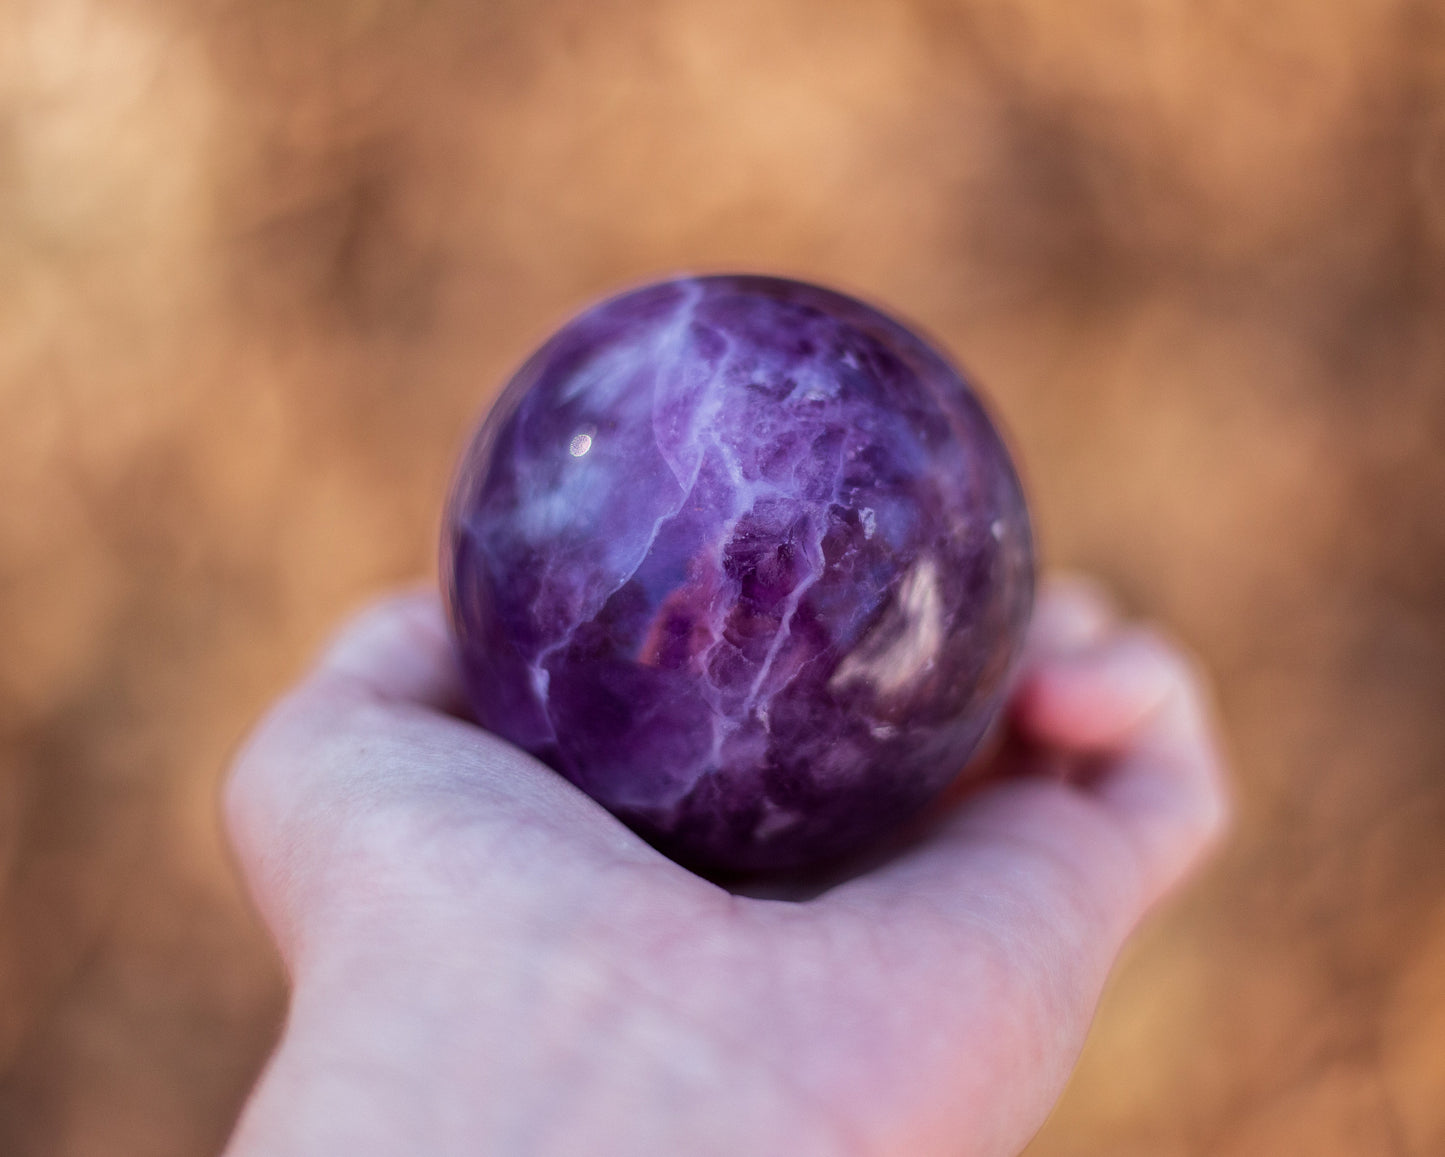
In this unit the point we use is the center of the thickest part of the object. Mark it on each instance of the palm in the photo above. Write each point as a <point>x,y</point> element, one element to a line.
<point>931,1005</point>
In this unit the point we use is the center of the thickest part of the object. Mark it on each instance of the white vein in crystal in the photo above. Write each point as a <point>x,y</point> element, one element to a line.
<point>785,627</point>
<point>669,350</point>
<point>603,381</point>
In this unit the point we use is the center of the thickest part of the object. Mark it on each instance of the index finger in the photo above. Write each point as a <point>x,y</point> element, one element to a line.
<point>1139,708</point>
<point>1059,871</point>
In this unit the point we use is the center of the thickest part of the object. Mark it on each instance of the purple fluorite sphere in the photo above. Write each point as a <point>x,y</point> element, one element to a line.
<point>746,561</point>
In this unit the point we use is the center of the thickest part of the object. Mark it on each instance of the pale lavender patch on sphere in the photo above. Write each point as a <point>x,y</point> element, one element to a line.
<point>747,562</point>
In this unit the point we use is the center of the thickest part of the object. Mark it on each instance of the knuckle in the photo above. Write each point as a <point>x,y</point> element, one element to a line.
<point>1160,648</point>
<point>1075,589</point>
<point>295,740</point>
<point>1218,810</point>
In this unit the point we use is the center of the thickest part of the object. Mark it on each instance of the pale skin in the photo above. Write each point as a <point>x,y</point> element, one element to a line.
<point>484,961</point>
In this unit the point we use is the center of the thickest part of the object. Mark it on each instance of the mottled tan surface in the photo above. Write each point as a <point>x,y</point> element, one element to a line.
<point>262,263</point>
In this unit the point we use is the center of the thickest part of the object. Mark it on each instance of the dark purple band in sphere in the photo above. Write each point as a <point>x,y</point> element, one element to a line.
<point>746,561</point>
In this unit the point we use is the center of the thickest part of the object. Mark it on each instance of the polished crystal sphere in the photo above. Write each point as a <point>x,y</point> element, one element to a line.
<point>746,561</point>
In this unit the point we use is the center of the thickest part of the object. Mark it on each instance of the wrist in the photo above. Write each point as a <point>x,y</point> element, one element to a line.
<point>398,1047</point>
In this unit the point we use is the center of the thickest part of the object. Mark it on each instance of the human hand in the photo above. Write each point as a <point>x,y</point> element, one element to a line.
<point>485,961</point>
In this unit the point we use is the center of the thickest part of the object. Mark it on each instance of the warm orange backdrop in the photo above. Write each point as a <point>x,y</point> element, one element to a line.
<point>262,263</point>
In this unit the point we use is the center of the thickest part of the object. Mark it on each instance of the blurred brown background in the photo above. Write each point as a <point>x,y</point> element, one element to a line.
<point>262,264</point>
